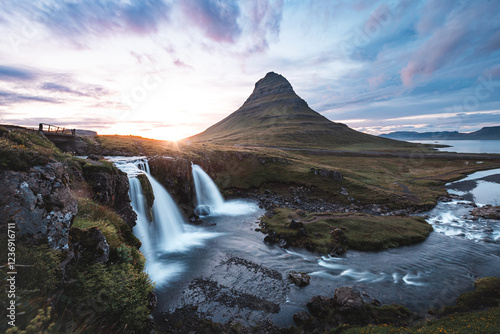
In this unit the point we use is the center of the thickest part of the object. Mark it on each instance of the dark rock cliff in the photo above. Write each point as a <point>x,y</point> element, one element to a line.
<point>40,204</point>
<point>110,187</point>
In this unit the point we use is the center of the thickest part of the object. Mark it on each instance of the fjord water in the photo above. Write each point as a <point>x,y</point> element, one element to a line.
<point>233,255</point>
<point>465,146</point>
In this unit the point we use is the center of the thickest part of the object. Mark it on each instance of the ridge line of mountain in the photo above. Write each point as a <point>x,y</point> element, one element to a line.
<point>485,133</point>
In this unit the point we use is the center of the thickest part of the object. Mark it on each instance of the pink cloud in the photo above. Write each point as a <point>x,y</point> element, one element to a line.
<point>442,47</point>
<point>376,81</point>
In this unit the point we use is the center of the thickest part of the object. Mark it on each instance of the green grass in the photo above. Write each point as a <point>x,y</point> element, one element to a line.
<point>363,232</point>
<point>22,149</point>
<point>115,230</point>
<point>487,322</point>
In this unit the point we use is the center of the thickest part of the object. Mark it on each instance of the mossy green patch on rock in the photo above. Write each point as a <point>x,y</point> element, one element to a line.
<point>115,230</point>
<point>486,294</point>
<point>147,191</point>
<point>362,231</point>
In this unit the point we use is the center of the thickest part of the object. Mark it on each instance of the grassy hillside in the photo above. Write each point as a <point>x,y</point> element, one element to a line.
<point>396,179</point>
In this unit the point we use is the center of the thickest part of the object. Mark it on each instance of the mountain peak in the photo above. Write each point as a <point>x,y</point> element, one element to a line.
<point>275,115</point>
<point>273,87</point>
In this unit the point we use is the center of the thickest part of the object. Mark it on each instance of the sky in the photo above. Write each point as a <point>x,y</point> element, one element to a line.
<point>168,69</point>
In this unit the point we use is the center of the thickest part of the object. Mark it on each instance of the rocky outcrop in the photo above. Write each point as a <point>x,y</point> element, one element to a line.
<point>330,174</point>
<point>487,211</point>
<point>338,243</point>
<point>39,203</point>
<point>348,307</point>
<point>110,187</point>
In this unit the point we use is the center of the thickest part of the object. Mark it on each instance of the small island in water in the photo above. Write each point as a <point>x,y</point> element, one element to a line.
<point>273,220</point>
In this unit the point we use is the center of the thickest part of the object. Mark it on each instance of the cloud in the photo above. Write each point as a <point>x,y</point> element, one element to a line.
<point>263,22</point>
<point>464,28</point>
<point>79,89</point>
<point>8,98</point>
<point>11,73</point>
<point>59,88</point>
<point>217,19</point>
<point>179,63</point>
<point>225,21</point>
<point>72,19</point>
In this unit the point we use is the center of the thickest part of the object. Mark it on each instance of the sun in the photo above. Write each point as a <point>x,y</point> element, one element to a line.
<point>170,133</point>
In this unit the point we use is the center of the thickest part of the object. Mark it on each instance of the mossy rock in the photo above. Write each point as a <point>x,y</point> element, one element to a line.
<point>147,191</point>
<point>486,294</point>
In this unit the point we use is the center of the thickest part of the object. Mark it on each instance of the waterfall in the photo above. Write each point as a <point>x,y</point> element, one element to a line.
<point>167,233</point>
<point>210,201</point>
<point>168,220</point>
<point>207,193</point>
<point>142,227</point>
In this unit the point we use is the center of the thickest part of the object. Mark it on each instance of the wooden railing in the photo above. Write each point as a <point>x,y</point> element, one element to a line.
<point>48,128</point>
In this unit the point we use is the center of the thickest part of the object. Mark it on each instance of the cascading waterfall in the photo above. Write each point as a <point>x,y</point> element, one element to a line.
<point>167,232</point>
<point>168,221</point>
<point>142,227</point>
<point>210,200</point>
<point>207,193</point>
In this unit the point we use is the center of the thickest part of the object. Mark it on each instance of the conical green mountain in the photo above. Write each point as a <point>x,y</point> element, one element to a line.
<point>274,115</point>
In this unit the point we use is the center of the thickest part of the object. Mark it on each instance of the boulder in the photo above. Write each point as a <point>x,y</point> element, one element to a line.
<point>295,224</point>
<point>320,306</point>
<point>202,210</point>
<point>302,319</point>
<point>302,232</point>
<point>95,157</point>
<point>487,211</point>
<point>283,242</point>
<point>271,238</point>
<point>89,245</point>
<point>338,242</point>
<point>195,219</point>
<point>331,174</point>
<point>299,278</point>
<point>348,300</point>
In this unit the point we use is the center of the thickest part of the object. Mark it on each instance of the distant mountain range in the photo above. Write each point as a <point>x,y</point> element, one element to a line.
<point>486,133</point>
<point>274,115</point>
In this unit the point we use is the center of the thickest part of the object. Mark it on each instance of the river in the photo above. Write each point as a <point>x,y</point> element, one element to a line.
<point>231,274</point>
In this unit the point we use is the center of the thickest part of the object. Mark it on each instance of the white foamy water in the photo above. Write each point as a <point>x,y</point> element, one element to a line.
<point>167,232</point>
<point>454,218</point>
<point>208,195</point>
